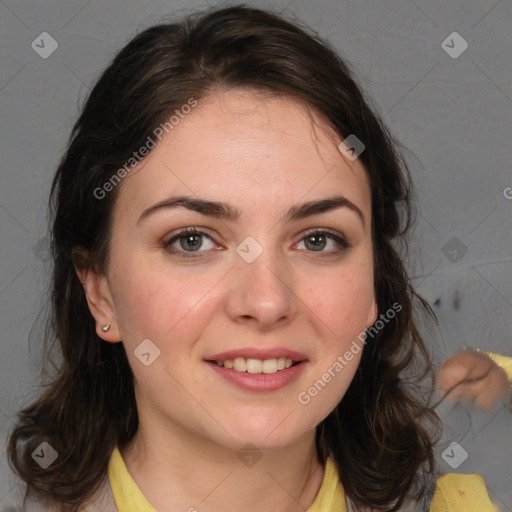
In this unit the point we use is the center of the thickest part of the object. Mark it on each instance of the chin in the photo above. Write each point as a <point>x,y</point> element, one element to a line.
<point>266,436</point>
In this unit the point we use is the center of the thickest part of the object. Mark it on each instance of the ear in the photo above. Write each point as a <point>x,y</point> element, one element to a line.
<point>372,313</point>
<point>99,298</point>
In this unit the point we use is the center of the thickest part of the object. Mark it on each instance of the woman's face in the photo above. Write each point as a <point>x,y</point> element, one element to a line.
<point>267,282</point>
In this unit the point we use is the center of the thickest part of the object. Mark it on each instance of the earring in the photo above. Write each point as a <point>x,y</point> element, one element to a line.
<point>105,328</point>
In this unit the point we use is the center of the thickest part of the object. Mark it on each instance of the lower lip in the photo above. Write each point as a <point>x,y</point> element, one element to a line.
<point>260,381</point>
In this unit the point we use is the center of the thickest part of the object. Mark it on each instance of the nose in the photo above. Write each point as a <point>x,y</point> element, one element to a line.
<point>262,293</point>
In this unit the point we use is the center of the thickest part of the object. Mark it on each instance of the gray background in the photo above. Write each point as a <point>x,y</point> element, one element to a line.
<point>453,114</point>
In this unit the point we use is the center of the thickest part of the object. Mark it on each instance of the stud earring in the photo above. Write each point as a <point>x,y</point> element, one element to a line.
<point>105,328</point>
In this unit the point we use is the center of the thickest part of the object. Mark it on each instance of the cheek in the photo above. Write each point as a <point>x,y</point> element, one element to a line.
<point>152,303</point>
<point>342,301</point>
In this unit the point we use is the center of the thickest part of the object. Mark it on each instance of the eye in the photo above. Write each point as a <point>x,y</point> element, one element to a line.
<point>317,240</point>
<point>189,240</point>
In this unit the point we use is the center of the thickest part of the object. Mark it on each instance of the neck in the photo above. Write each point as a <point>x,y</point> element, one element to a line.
<point>177,470</point>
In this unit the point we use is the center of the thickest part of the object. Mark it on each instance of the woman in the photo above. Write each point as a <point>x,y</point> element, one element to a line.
<point>235,321</point>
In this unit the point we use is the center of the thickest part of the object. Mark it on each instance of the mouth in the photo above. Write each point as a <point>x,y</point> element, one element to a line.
<point>257,366</point>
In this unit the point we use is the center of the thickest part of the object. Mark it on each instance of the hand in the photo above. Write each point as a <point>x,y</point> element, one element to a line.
<point>476,377</point>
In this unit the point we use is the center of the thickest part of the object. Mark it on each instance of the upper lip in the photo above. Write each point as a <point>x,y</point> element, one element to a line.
<point>258,353</point>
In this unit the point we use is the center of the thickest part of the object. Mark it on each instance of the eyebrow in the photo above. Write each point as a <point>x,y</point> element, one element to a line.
<point>221,210</point>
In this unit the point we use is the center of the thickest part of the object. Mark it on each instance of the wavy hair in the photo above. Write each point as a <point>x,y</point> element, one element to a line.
<point>381,434</point>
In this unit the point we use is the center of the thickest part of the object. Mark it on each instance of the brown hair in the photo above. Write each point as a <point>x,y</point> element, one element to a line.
<point>380,433</point>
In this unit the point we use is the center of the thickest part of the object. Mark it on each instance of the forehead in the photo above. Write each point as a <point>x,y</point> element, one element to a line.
<point>246,147</point>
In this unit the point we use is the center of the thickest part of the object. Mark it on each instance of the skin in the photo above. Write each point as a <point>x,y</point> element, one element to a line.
<point>489,383</point>
<point>262,155</point>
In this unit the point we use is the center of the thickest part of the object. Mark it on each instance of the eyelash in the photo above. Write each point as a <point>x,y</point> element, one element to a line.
<point>343,244</point>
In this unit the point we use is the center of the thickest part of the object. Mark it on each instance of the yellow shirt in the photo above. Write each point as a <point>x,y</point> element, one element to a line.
<point>502,361</point>
<point>454,493</point>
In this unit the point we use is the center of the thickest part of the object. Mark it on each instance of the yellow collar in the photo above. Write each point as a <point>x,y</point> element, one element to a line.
<point>454,492</point>
<point>128,496</point>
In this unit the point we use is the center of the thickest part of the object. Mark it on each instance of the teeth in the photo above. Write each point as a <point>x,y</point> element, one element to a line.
<point>241,364</point>
<point>269,366</point>
<point>254,366</point>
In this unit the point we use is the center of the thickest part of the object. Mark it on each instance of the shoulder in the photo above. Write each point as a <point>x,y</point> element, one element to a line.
<point>461,493</point>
